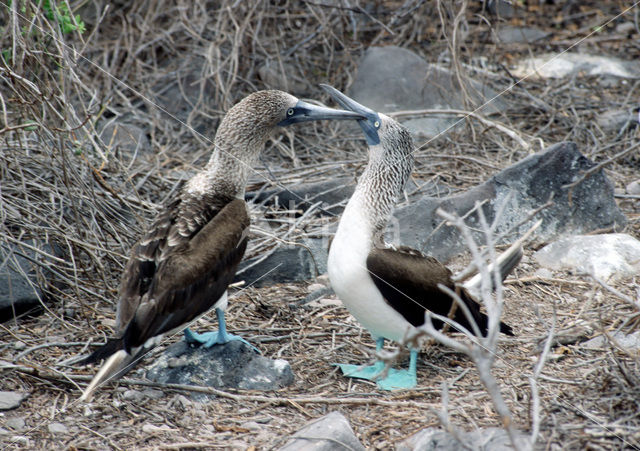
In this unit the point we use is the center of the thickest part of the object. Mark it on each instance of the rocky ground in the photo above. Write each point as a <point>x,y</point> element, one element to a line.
<point>93,141</point>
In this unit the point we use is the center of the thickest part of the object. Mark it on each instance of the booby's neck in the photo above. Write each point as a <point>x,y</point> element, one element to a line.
<point>236,149</point>
<point>378,189</point>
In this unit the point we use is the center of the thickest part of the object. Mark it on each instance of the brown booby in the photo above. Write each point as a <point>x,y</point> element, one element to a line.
<point>183,264</point>
<point>389,290</point>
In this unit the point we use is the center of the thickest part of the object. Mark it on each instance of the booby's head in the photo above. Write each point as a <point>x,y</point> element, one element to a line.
<point>381,132</point>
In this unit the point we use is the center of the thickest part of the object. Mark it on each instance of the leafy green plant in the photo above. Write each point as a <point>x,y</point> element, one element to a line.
<point>64,17</point>
<point>59,12</point>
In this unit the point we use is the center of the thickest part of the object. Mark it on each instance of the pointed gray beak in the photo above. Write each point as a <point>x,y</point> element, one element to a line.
<point>305,112</point>
<point>371,121</point>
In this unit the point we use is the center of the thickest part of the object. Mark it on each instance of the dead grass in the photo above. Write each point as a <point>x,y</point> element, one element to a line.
<point>81,203</point>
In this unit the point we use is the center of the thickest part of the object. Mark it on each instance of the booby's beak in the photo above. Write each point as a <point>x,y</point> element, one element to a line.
<point>305,112</point>
<point>371,122</point>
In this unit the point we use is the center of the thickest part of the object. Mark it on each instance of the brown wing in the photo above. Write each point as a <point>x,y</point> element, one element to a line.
<point>178,270</point>
<point>189,280</point>
<point>409,282</point>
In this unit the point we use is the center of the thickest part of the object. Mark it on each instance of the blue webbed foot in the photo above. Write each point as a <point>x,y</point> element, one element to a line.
<point>398,380</point>
<point>362,371</point>
<point>220,337</point>
<point>209,339</point>
<point>401,379</point>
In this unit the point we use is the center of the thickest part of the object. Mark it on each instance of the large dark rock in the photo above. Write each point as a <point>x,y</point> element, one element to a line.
<point>331,432</point>
<point>232,365</point>
<point>286,264</point>
<point>20,291</point>
<point>332,193</point>
<point>531,182</point>
<point>396,73</point>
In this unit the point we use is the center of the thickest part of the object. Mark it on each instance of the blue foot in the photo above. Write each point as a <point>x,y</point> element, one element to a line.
<point>401,379</point>
<point>220,337</point>
<point>395,380</point>
<point>398,380</point>
<point>361,371</point>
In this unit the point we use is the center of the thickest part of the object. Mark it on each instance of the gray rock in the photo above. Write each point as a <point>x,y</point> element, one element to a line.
<point>283,76</point>
<point>607,256</point>
<point>530,183</point>
<point>631,342</point>
<point>11,399</point>
<point>232,365</point>
<point>286,264</point>
<point>569,64</point>
<point>127,139</point>
<point>502,8</point>
<point>434,439</point>
<point>633,187</point>
<point>519,35</point>
<point>185,94</point>
<point>16,423</point>
<point>19,287</point>
<point>57,428</point>
<point>331,432</point>
<point>333,195</point>
<point>386,73</point>
<point>616,120</point>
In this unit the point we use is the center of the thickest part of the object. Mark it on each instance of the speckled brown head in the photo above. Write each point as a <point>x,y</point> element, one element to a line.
<point>243,133</point>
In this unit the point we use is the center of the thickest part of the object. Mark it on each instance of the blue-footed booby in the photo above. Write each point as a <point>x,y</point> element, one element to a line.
<point>388,290</point>
<point>183,264</point>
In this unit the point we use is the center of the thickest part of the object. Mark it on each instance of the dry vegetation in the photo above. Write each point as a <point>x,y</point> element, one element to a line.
<point>81,203</point>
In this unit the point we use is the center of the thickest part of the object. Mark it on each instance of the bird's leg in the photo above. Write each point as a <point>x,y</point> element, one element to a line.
<point>401,379</point>
<point>370,372</point>
<point>220,337</point>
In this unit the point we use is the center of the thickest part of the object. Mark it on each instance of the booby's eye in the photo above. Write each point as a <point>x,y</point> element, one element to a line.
<point>290,112</point>
<point>376,124</point>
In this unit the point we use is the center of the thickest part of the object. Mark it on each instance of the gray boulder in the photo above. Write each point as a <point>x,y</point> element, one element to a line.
<point>526,186</point>
<point>392,72</point>
<point>286,264</point>
<point>20,291</point>
<point>232,365</point>
<point>331,432</point>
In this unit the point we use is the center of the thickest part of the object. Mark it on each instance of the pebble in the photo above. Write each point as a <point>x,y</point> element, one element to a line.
<point>11,399</point>
<point>19,346</point>
<point>315,287</point>
<point>57,428</point>
<point>251,425</point>
<point>132,395</point>
<point>633,187</point>
<point>153,393</point>
<point>15,423</point>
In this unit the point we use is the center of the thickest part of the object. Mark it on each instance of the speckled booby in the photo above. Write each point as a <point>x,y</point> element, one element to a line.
<point>183,264</point>
<point>388,290</point>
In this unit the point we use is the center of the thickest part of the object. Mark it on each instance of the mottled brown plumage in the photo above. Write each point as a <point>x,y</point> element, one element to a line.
<point>183,264</point>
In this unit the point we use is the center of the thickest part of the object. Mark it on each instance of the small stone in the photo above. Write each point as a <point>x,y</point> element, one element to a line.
<point>57,428</point>
<point>315,287</point>
<point>251,425</point>
<point>614,120</point>
<point>132,395</point>
<point>20,440</point>
<point>149,428</point>
<point>633,188</point>
<point>153,393</point>
<point>626,28</point>
<point>323,434</point>
<point>19,346</point>
<point>15,423</point>
<point>4,431</point>
<point>11,400</point>
<point>544,273</point>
